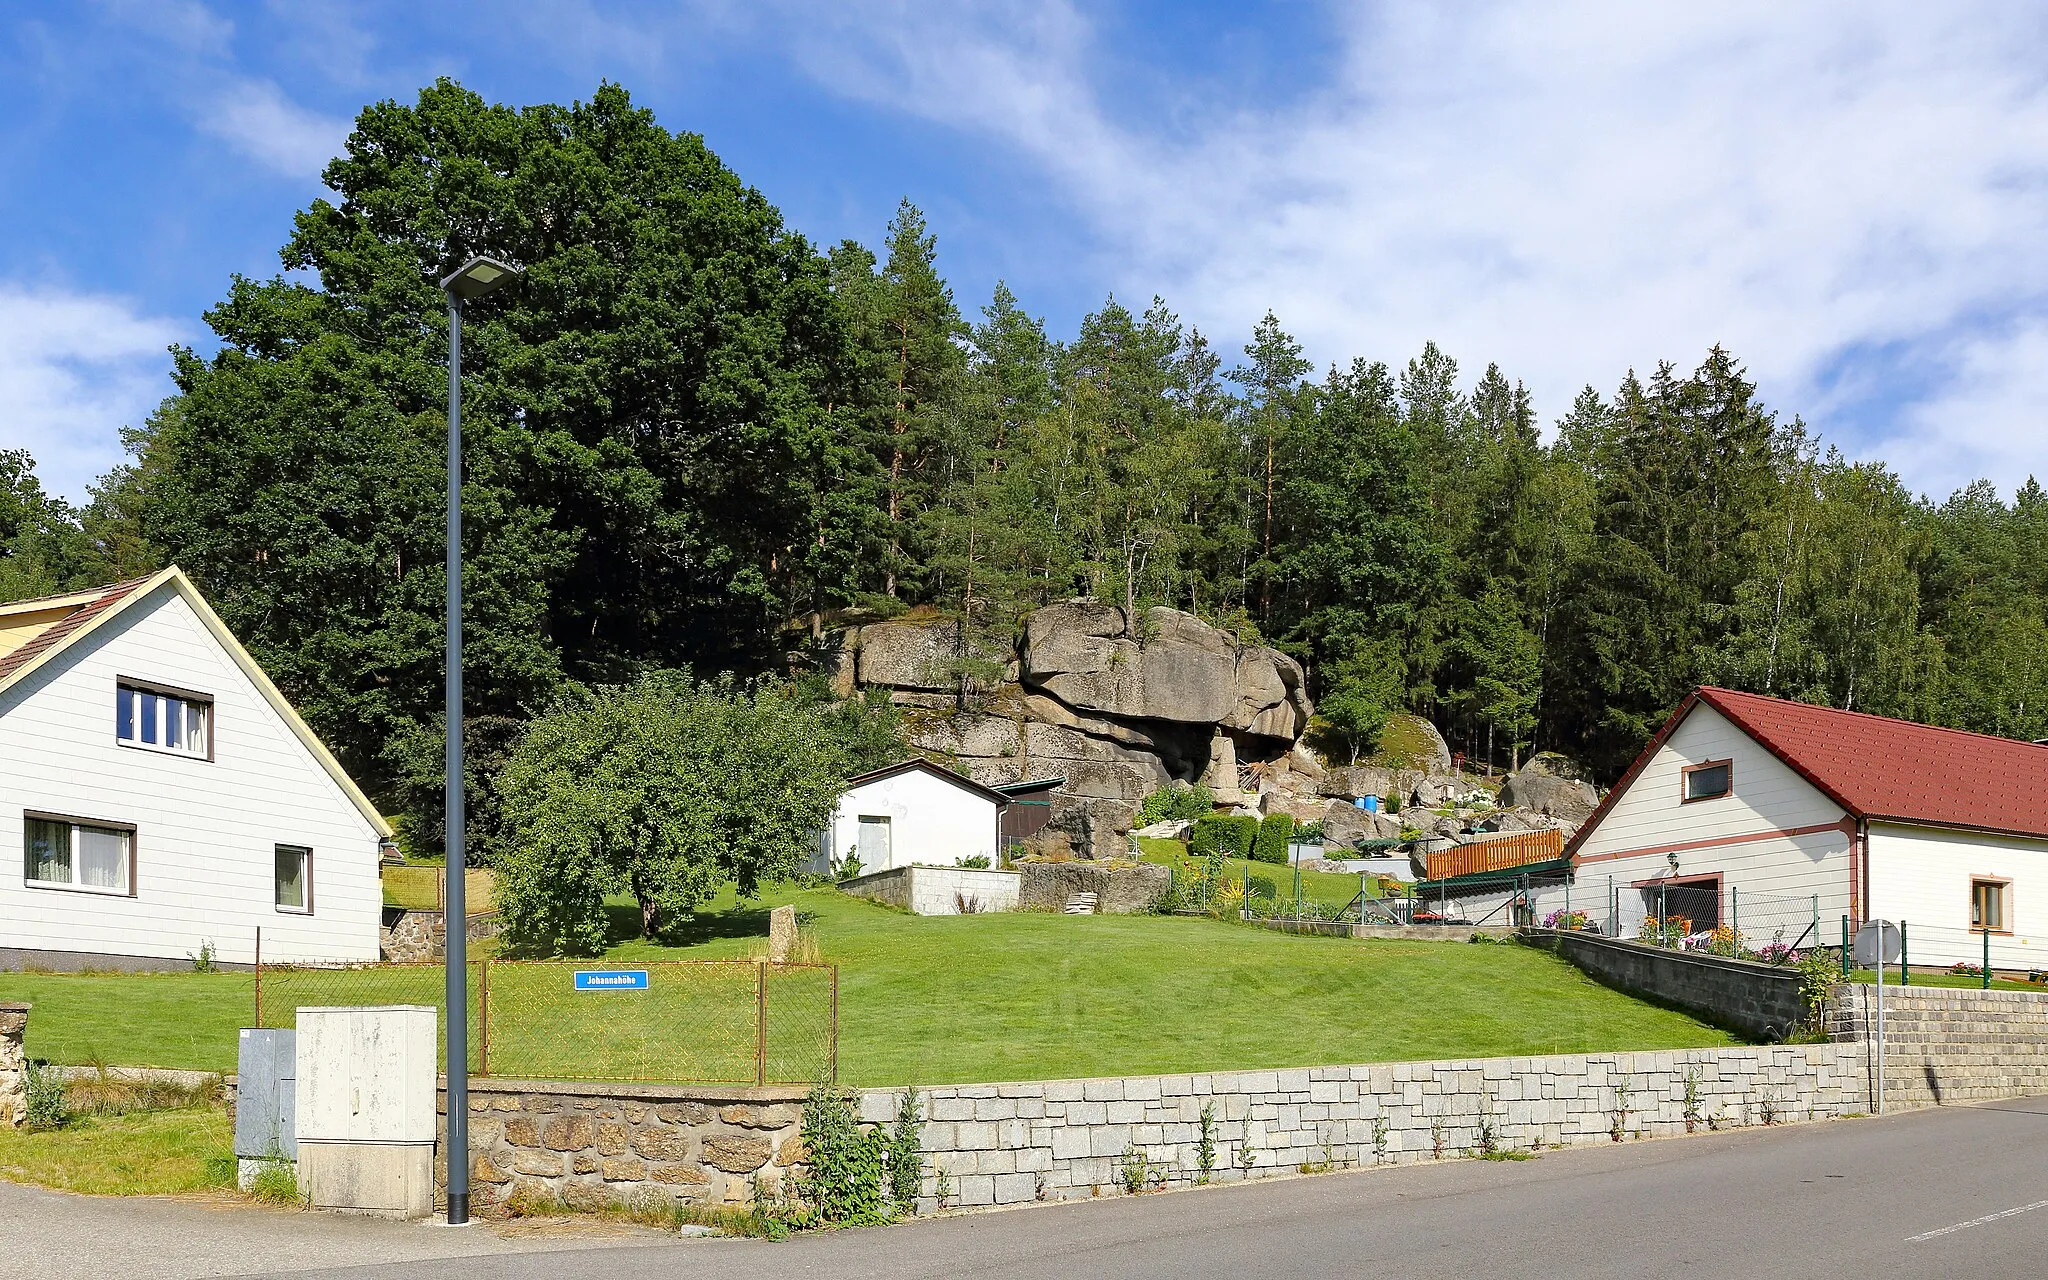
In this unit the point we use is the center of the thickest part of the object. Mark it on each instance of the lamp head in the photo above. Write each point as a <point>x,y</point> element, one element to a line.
<point>479,276</point>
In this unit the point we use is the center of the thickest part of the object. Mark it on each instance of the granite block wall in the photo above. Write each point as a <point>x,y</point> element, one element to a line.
<point>1946,1045</point>
<point>1759,1001</point>
<point>1002,1144</point>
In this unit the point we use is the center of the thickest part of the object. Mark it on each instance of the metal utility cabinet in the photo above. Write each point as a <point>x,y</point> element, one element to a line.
<point>266,1105</point>
<point>365,1109</point>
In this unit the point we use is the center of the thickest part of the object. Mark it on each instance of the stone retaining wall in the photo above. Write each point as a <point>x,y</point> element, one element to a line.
<point>1119,889</point>
<point>1010,1143</point>
<point>938,891</point>
<point>13,1065</point>
<point>1945,1045</point>
<point>593,1144</point>
<point>1759,1001</point>
<point>419,937</point>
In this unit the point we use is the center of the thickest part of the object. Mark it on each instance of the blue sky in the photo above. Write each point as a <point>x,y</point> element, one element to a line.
<point>1853,197</point>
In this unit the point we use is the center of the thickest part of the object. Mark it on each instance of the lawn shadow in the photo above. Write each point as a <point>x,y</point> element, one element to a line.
<point>743,921</point>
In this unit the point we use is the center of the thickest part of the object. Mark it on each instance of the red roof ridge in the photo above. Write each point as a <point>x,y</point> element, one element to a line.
<point>1712,694</point>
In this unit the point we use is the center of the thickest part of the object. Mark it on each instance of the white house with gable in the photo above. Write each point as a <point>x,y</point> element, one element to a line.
<point>1781,819</point>
<point>915,813</point>
<point>158,794</point>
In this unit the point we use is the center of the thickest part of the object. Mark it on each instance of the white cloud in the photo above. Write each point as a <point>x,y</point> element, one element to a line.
<point>75,369</point>
<point>258,120</point>
<point>1569,190</point>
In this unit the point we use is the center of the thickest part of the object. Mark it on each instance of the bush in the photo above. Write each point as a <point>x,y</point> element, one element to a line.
<point>979,862</point>
<point>44,1085</point>
<point>1270,844</point>
<point>1176,802</point>
<point>850,1166</point>
<point>1225,835</point>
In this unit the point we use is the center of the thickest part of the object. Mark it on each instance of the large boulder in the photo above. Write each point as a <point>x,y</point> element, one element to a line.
<point>967,734</point>
<point>1356,781</point>
<point>1081,653</point>
<point>1412,742</point>
<point>906,655</point>
<point>1552,785</point>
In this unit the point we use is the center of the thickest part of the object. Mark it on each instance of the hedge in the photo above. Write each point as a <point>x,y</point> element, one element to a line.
<point>1225,834</point>
<point>1273,835</point>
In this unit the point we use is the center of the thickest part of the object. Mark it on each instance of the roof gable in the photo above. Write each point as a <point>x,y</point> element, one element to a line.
<point>1875,767</point>
<point>918,764</point>
<point>91,610</point>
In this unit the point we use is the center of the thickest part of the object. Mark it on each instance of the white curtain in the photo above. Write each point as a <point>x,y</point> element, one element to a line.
<point>103,859</point>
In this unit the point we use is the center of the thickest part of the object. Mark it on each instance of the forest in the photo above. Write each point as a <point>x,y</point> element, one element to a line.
<point>695,439</point>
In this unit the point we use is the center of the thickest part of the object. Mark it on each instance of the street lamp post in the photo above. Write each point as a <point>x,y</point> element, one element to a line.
<point>474,279</point>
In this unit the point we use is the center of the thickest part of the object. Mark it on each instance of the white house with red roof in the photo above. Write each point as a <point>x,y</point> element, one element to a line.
<point>159,795</point>
<point>1768,815</point>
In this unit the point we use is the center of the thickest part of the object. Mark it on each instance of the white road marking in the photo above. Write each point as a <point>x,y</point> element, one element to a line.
<point>1978,1222</point>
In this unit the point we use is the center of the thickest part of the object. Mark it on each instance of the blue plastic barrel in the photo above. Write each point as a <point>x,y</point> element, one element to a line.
<point>1371,804</point>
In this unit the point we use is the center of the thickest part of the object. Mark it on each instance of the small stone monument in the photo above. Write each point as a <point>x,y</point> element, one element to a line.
<point>13,1065</point>
<point>781,934</point>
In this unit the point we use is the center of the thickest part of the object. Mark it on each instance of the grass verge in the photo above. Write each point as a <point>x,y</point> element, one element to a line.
<point>141,1153</point>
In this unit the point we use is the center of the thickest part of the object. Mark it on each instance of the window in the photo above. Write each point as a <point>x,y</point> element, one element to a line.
<point>164,721</point>
<point>62,854</point>
<point>1708,781</point>
<point>294,879</point>
<point>1988,906</point>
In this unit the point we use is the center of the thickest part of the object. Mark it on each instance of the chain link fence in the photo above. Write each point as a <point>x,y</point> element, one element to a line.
<point>695,1022</point>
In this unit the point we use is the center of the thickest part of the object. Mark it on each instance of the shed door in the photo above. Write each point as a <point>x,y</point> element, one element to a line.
<point>874,843</point>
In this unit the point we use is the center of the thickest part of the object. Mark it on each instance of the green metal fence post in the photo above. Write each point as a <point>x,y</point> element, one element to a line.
<point>1297,890</point>
<point>1905,965</point>
<point>1816,919</point>
<point>1845,948</point>
<point>1987,957</point>
<point>1735,914</point>
<point>1663,916</point>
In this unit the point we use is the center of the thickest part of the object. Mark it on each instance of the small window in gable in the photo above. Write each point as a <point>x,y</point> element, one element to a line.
<point>1708,781</point>
<point>1988,909</point>
<point>180,723</point>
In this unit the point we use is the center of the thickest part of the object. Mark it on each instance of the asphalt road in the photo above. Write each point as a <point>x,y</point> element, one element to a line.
<point>1957,1192</point>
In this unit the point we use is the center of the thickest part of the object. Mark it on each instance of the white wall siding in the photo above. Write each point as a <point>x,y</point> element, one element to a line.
<point>1922,875</point>
<point>205,830</point>
<point>1778,876</point>
<point>932,821</point>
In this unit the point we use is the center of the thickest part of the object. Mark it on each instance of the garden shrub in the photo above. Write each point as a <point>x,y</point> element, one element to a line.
<point>1176,802</point>
<point>849,1165</point>
<point>47,1105</point>
<point>1270,843</point>
<point>979,862</point>
<point>1223,834</point>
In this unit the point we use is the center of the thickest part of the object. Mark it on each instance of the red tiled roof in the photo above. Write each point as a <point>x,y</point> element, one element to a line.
<point>57,632</point>
<point>1878,768</point>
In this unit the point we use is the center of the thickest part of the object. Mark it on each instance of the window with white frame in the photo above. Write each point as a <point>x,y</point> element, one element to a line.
<point>294,878</point>
<point>63,854</point>
<point>181,723</point>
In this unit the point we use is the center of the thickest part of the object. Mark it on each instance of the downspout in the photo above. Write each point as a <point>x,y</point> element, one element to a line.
<point>1860,906</point>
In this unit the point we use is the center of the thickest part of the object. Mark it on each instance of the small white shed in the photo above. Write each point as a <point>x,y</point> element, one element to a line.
<point>915,813</point>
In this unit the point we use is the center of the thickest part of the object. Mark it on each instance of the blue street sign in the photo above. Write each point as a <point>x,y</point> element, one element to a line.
<point>611,979</point>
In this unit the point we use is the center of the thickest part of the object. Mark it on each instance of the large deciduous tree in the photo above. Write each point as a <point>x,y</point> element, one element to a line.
<point>654,472</point>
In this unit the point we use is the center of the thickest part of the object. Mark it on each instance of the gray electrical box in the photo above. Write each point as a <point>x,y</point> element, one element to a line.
<point>266,1102</point>
<point>366,1103</point>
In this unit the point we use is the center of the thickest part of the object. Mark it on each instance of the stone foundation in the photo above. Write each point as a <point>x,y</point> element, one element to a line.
<point>13,1065</point>
<point>420,937</point>
<point>589,1145</point>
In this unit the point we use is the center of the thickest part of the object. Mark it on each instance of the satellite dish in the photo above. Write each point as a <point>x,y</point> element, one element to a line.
<point>1868,935</point>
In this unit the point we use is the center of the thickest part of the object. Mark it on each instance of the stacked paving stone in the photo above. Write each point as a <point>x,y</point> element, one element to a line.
<point>594,1145</point>
<point>1946,1045</point>
<point>1011,1143</point>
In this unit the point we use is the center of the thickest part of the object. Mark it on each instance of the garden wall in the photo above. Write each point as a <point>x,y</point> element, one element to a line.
<point>1756,1000</point>
<point>1119,889</point>
<point>1946,1045</point>
<point>1011,1143</point>
<point>594,1144</point>
<point>937,891</point>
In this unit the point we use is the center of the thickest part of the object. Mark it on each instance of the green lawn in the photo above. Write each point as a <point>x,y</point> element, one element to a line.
<point>1016,996</point>
<point>1332,889</point>
<point>1943,978</point>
